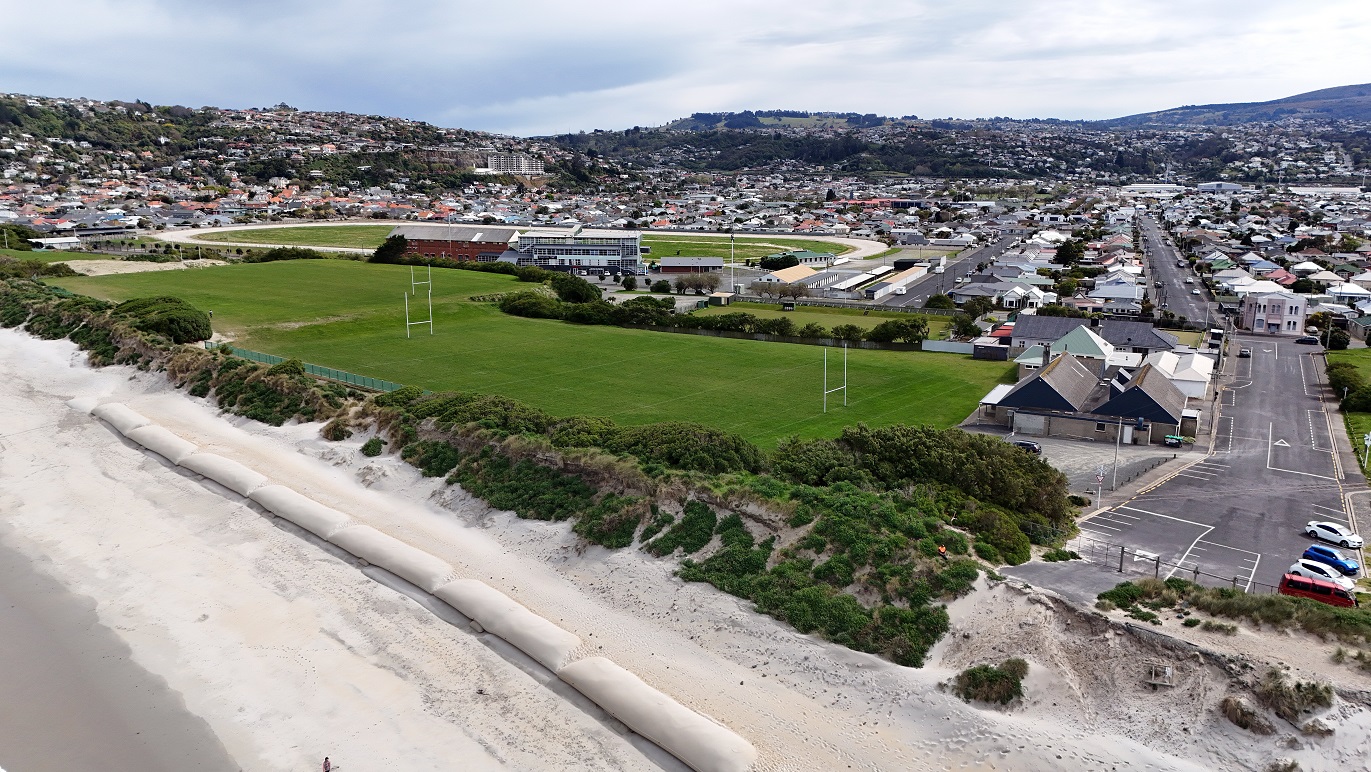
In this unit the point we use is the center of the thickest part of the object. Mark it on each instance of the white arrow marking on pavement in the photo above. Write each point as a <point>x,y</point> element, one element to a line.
<point>1282,444</point>
<point>1144,555</point>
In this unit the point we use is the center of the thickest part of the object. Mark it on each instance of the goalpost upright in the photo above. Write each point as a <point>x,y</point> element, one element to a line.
<point>412,291</point>
<point>842,388</point>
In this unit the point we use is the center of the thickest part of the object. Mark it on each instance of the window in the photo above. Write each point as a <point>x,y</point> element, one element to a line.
<point>1099,427</point>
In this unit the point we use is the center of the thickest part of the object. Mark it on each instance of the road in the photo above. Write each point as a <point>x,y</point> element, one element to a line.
<point>1174,292</point>
<point>920,291</point>
<point>1237,512</point>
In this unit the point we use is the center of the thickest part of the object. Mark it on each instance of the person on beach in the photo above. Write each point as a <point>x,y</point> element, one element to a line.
<point>328,766</point>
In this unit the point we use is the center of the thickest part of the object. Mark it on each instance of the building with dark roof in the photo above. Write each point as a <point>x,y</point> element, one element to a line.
<point>1137,337</point>
<point>690,264</point>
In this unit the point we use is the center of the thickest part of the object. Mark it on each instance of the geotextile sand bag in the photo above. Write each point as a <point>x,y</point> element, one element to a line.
<point>162,442</point>
<point>305,512</point>
<point>702,744</point>
<point>120,416</point>
<point>546,643</point>
<point>409,563</point>
<point>230,474</point>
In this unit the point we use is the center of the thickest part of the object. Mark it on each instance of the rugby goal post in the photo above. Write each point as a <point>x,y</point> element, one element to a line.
<point>842,388</point>
<point>428,321</point>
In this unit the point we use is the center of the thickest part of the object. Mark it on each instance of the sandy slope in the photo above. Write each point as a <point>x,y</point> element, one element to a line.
<point>286,650</point>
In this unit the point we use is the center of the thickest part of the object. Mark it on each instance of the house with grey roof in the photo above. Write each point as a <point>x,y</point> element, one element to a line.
<point>1137,337</point>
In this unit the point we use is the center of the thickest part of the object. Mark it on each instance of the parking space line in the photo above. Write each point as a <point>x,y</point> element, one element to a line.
<point>1271,445</point>
<point>1168,517</point>
<point>1180,562</point>
<point>1194,476</point>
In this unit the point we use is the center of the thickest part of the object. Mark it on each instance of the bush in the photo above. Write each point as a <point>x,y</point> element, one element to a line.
<point>1191,622</point>
<point>661,286</point>
<point>1291,700</point>
<point>336,430</point>
<point>171,317</point>
<point>288,253</point>
<point>573,289</point>
<point>691,533</point>
<point>812,330</point>
<point>534,305</point>
<point>1057,555</point>
<point>1244,716</point>
<point>372,447</point>
<point>848,332</point>
<point>293,368</point>
<point>392,250</point>
<point>988,683</point>
<point>988,553</point>
<point>688,446</point>
<point>940,301</point>
<point>432,458</point>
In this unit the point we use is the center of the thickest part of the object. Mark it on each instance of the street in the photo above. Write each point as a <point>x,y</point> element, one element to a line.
<point>920,291</point>
<point>1174,295</point>
<point>1236,513</point>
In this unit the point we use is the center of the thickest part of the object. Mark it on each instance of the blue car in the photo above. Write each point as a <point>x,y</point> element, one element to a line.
<point>1331,557</point>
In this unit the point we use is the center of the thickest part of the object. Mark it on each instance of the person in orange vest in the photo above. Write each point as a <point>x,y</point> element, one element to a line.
<point>942,551</point>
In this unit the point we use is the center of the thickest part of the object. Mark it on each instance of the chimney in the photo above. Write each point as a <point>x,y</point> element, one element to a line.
<point>1094,321</point>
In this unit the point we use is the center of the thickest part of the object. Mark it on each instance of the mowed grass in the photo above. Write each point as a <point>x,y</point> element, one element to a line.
<point>745,248</point>
<point>349,315</point>
<point>360,236</point>
<point>828,317</point>
<point>1358,424</point>
<point>55,256</point>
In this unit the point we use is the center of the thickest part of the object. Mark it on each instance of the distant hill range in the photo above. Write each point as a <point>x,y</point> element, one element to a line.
<point>1342,102</point>
<point>759,119</point>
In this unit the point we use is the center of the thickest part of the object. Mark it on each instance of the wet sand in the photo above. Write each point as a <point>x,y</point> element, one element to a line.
<point>71,697</point>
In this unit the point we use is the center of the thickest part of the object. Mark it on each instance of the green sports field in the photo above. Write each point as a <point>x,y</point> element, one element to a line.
<point>663,245</point>
<point>360,236</point>
<point>349,315</point>
<point>828,316</point>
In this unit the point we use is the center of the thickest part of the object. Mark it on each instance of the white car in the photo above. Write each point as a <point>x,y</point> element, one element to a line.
<point>1332,532</point>
<point>1312,570</point>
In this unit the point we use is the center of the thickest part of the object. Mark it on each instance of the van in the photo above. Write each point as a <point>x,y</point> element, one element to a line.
<point>900,290</point>
<point>1316,589</point>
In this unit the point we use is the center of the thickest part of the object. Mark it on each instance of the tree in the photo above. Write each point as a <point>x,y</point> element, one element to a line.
<point>978,307</point>
<point>964,326</point>
<point>1304,286</point>
<point>850,332</point>
<point>1338,340</point>
<point>1070,252</point>
<point>573,289</point>
<point>778,262</point>
<point>392,250</point>
<point>630,283</point>
<point>940,301</point>
<point>661,286</point>
<point>912,330</point>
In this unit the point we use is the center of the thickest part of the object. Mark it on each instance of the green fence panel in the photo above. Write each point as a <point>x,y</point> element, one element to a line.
<point>329,373</point>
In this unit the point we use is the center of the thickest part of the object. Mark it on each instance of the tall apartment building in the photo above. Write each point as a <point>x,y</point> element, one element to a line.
<point>514,163</point>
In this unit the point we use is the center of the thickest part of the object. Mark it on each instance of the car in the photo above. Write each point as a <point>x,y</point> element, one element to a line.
<point>1028,445</point>
<point>1340,535</point>
<point>1331,556</point>
<point>1158,284</point>
<point>1316,589</point>
<point>1315,570</point>
<point>1194,292</point>
<point>1244,353</point>
<point>1308,340</point>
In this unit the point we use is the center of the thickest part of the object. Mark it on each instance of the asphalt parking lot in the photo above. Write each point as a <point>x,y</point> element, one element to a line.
<point>1236,513</point>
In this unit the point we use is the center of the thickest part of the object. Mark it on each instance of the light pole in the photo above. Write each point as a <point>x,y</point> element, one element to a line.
<point>1118,440</point>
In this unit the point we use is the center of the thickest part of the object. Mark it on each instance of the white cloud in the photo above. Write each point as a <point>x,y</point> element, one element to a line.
<point>542,67</point>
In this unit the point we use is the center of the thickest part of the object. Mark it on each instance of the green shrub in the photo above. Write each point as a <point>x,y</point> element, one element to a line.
<point>654,526</point>
<point>1219,627</point>
<point>688,446</point>
<point>293,368</point>
<point>531,491</point>
<point>611,522</point>
<point>372,447</point>
<point>171,317</point>
<point>534,305</point>
<point>572,289</point>
<point>1058,555</point>
<point>398,398</point>
<point>336,430</point>
<point>691,533</point>
<point>432,457</point>
<point>989,683</point>
<point>285,253</point>
<point>988,553</point>
<point>1191,622</point>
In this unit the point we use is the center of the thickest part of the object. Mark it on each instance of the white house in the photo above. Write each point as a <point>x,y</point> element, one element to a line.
<point>1188,371</point>
<point>1275,313</point>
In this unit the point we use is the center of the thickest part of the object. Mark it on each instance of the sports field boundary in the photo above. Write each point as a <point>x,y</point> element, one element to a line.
<point>318,371</point>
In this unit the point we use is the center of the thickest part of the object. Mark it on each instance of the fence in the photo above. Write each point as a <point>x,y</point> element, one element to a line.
<point>328,373</point>
<point>1132,563</point>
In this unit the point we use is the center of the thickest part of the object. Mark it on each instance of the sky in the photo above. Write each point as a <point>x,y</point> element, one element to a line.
<point>530,67</point>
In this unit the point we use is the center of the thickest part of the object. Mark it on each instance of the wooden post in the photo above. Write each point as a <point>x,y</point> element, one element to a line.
<point>1157,567</point>
<point>1121,559</point>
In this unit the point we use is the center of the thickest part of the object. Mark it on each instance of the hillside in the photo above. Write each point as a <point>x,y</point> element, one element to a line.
<point>1339,103</point>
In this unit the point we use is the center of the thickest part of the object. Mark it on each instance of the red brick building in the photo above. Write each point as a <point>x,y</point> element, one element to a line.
<point>459,242</point>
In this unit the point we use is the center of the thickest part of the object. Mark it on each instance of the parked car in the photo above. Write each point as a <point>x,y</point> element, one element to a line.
<point>1338,534</point>
<point>1194,292</point>
<point>1028,445</point>
<point>1244,353</point>
<point>1308,340</point>
<point>1314,570</point>
<point>1316,589</point>
<point>1331,556</point>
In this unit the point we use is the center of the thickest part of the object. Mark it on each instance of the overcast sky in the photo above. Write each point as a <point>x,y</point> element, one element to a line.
<point>532,67</point>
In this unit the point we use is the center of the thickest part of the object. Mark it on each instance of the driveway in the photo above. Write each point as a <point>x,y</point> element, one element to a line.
<point>1236,512</point>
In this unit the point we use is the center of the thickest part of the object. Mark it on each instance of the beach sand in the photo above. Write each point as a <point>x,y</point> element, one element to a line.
<point>288,651</point>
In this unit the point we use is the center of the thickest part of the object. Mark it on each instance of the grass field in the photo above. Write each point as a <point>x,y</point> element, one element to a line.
<point>360,236</point>
<point>828,317</point>
<point>745,247</point>
<point>371,236</point>
<point>55,257</point>
<point>349,315</point>
<point>1358,424</point>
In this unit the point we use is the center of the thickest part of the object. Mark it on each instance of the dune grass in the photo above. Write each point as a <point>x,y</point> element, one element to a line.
<point>349,315</point>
